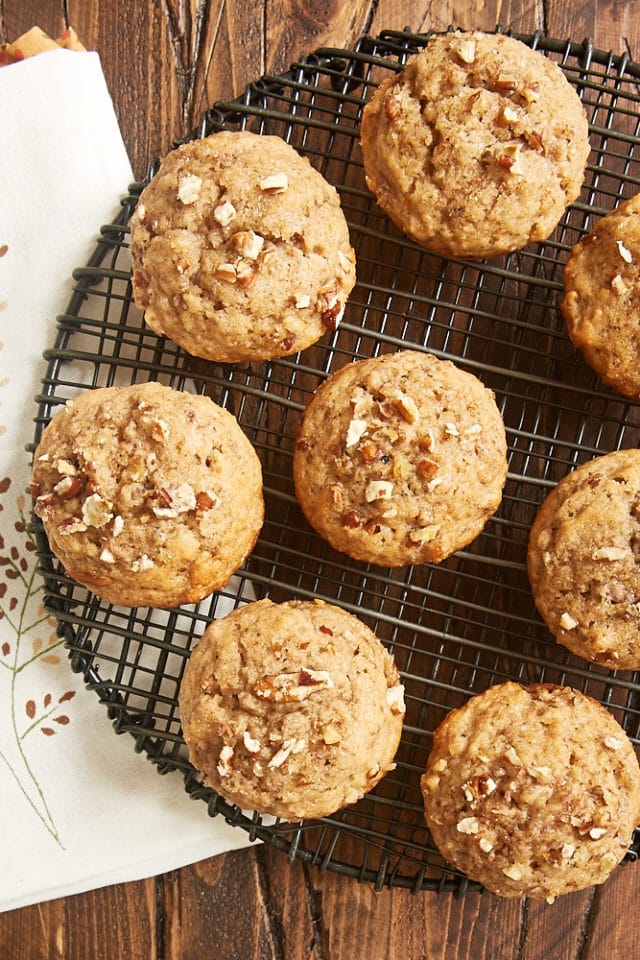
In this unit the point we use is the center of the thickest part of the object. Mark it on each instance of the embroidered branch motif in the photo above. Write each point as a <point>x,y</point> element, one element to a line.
<point>28,637</point>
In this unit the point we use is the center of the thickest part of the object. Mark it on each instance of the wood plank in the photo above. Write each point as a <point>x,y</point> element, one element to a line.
<point>205,913</point>
<point>85,925</point>
<point>440,14</point>
<point>617,30</point>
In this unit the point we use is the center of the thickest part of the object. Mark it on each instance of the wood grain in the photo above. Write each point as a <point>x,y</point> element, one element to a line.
<point>165,61</point>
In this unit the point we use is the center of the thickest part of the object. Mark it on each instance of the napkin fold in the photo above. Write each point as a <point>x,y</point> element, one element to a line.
<point>80,808</point>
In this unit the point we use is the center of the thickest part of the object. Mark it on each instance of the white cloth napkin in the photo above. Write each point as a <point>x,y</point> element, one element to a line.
<point>80,808</point>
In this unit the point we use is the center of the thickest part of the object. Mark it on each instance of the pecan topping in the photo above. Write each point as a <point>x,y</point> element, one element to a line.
<point>275,183</point>
<point>355,430</point>
<point>467,51</point>
<point>226,271</point>
<point>407,407</point>
<point>378,490</point>
<point>189,188</point>
<point>96,511</point>
<point>174,501</point>
<point>244,273</point>
<point>427,469</point>
<point>624,252</point>
<point>510,159</point>
<point>422,535</point>
<point>224,761</point>
<point>369,452</point>
<point>331,317</point>
<point>392,107</point>
<point>395,699</point>
<point>534,140</point>
<point>477,787</point>
<point>351,519</point>
<point>248,244</point>
<point>68,487</point>
<point>292,687</point>
<point>224,213</point>
<point>289,746</point>
<point>508,115</point>
<point>504,85</point>
<point>531,94</point>
<point>330,734</point>
<point>567,622</point>
<point>206,500</point>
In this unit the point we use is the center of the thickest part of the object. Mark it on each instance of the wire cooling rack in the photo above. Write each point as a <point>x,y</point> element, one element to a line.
<point>454,628</point>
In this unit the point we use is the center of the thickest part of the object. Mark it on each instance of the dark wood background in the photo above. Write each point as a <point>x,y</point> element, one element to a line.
<point>165,61</point>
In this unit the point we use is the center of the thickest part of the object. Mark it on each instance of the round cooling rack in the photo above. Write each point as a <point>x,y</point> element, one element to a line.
<point>454,628</point>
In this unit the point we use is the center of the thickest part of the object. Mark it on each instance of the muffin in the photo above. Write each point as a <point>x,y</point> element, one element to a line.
<point>148,496</point>
<point>292,709</point>
<point>532,791</point>
<point>400,459</point>
<point>583,564</point>
<point>602,298</point>
<point>476,147</point>
<point>240,249</point>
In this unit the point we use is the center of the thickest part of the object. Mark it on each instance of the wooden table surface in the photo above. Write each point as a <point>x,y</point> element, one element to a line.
<point>165,61</point>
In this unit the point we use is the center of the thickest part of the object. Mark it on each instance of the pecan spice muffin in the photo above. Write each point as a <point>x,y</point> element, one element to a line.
<point>292,709</point>
<point>477,146</point>
<point>532,791</point>
<point>240,249</point>
<point>602,297</point>
<point>400,459</point>
<point>148,496</point>
<point>582,560</point>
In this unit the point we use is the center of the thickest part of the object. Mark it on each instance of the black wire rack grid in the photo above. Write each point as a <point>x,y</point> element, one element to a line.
<point>455,628</point>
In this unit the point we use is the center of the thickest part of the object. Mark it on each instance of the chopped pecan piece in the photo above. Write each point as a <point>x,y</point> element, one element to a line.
<point>351,519</point>
<point>248,244</point>
<point>189,188</point>
<point>275,183</point>
<point>224,213</point>
<point>392,107</point>
<point>427,469</point>
<point>292,687</point>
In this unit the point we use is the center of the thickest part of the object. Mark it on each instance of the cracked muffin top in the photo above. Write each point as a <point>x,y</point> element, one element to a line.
<point>149,496</point>
<point>477,147</point>
<point>292,709</point>
<point>583,560</point>
<point>240,249</point>
<point>534,791</point>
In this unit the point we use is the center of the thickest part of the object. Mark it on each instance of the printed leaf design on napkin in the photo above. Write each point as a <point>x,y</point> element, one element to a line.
<point>32,639</point>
